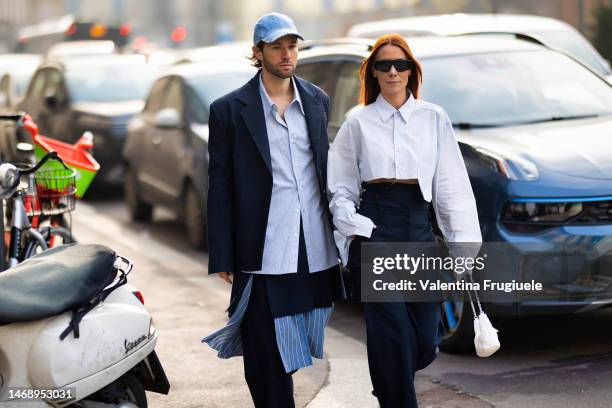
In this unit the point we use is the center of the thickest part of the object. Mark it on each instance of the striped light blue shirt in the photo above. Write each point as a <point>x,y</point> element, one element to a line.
<point>298,337</point>
<point>295,193</point>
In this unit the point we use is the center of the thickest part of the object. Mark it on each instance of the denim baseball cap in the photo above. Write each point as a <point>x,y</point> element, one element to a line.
<point>270,27</point>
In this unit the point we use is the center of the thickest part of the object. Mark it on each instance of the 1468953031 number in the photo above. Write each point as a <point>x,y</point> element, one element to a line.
<point>33,394</point>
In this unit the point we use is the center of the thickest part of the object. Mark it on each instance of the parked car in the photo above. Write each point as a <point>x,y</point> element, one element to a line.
<point>534,129</point>
<point>39,37</point>
<point>549,31</point>
<point>224,51</point>
<point>97,94</point>
<point>82,48</point>
<point>15,73</point>
<point>166,152</point>
<point>234,51</point>
<point>11,151</point>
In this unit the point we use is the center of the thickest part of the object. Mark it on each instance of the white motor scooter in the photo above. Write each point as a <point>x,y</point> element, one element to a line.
<point>73,332</point>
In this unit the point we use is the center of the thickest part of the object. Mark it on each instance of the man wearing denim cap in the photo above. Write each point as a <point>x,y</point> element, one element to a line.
<point>269,225</point>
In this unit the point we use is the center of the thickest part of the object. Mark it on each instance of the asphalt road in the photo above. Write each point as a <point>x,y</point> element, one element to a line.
<point>561,361</point>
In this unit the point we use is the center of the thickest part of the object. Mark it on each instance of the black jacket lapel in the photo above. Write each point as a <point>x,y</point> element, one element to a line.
<point>254,118</point>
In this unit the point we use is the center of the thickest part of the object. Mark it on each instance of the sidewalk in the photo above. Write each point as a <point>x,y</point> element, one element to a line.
<point>348,384</point>
<point>186,304</point>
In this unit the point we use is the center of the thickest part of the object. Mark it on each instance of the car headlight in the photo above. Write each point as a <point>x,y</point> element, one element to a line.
<point>8,175</point>
<point>544,213</point>
<point>513,168</point>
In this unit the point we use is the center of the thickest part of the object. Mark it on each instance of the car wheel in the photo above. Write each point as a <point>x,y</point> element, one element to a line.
<point>138,209</point>
<point>458,319</point>
<point>195,218</point>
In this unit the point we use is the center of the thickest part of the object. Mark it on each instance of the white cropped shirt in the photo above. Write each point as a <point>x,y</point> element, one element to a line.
<point>415,141</point>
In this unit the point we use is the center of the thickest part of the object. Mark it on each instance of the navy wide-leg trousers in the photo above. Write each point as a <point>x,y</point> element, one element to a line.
<point>402,337</point>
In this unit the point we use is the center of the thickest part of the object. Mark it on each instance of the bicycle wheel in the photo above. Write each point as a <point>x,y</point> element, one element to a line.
<point>54,236</point>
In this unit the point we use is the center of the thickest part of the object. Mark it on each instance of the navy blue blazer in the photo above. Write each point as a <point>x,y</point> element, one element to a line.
<point>240,172</point>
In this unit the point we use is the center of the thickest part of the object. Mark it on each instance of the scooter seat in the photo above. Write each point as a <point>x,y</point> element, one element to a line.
<point>54,281</point>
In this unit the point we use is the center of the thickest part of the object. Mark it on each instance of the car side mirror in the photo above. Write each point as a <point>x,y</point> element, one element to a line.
<point>168,118</point>
<point>51,102</point>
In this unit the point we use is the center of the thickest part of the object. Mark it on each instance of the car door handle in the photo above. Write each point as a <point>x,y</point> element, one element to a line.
<point>156,140</point>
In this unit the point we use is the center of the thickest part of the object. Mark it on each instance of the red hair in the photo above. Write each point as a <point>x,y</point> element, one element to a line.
<point>369,85</point>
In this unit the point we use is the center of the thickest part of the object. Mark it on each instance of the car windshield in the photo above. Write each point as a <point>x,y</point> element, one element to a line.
<point>514,87</point>
<point>212,86</point>
<point>109,83</point>
<point>569,43</point>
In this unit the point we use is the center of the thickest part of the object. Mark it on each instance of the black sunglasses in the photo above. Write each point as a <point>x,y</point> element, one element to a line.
<point>400,65</point>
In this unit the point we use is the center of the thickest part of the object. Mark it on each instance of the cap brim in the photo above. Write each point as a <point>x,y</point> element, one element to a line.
<point>275,35</point>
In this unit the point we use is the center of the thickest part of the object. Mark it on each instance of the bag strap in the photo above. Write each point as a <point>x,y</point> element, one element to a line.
<point>472,304</point>
<point>470,296</point>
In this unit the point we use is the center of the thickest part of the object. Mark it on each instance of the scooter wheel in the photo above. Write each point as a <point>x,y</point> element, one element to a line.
<point>127,388</point>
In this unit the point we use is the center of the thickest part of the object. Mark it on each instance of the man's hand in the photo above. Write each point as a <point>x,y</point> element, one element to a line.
<point>226,276</point>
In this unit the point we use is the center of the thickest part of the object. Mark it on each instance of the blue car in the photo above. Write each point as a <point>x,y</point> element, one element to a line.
<point>535,129</point>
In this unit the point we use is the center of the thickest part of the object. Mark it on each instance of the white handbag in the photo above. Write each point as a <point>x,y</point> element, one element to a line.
<point>486,340</point>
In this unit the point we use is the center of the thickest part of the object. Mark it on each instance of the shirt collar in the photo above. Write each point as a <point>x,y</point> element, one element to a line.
<point>268,104</point>
<point>386,110</point>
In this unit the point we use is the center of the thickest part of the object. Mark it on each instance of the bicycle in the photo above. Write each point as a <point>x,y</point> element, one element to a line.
<point>36,193</point>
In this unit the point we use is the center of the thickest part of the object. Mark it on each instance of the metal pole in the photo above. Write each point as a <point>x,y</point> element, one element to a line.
<point>581,16</point>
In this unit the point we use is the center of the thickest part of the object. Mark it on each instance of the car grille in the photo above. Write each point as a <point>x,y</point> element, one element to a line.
<point>599,212</point>
<point>593,213</point>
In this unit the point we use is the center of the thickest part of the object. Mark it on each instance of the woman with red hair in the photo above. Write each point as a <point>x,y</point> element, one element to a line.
<point>390,162</point>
